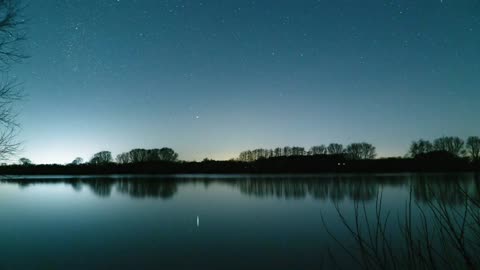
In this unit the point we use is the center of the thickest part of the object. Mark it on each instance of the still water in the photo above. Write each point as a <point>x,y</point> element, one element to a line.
<point>209,221</point>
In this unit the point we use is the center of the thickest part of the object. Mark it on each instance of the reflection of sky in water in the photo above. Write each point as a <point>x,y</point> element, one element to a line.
<point>134,222</point>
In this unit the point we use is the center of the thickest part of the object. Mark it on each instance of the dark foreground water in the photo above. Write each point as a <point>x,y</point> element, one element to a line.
<point>228,222</point>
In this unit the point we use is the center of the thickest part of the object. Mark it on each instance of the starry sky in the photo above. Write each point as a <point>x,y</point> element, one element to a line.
<point>210,78</point>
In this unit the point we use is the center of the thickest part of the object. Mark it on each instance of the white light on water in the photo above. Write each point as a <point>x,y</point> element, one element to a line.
<point>198,221</point>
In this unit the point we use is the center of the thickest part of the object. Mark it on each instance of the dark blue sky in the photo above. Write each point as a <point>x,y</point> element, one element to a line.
<point>211,78</point>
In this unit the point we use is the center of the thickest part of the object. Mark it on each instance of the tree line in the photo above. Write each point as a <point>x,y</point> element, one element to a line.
<point>450,145</point>
<point>454,146</point>
<point>137,155</point>
<point>354,151</point>
<point>447,146</point>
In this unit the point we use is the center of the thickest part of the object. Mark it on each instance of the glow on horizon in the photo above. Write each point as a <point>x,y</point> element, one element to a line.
<point>211,80</point>
<point>64,154</point>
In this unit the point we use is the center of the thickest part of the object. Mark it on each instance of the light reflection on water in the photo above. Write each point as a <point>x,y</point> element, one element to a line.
<point>148,222</point>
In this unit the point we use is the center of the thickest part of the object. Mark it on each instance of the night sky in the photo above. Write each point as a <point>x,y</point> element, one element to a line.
<point>211,78</point>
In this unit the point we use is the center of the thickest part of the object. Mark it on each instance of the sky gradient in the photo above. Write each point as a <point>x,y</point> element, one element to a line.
<point>212,78</point>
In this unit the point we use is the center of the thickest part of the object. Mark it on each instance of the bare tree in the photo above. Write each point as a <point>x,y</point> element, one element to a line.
<point>433,234</point>
<point>298,151</point>
<point>361,151</point>
<point>77,161</point>
<point>473,147</point>
<point>103,157</point>
<point>25,161</point>
<point>335,149</point>
<point>246,156</point>
<point>11,36</point>
<point>123,158</point>
<point>167,154</point>
<point>453,145</point>
<point>354,151</point>
<point>420,147</point>
<point>318,150</point>
<point>138,155</point>
<point>278,152</point>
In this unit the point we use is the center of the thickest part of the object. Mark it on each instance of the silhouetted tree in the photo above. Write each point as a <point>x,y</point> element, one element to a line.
<point>25,161</point>
<point>103,157</point>
<point>473,147</point>
<point>123,158</point>
<point>361,151</point>
<point>153,155</point>
<point>137,155</point>
<point>453,145</point>
<point>318,150</point>
<point>358,151</point>
<point>257,153</point>
<point>354,151</point>
<point>77,161</point>
<point>243,156</point>
<point>271,153</point>
<point>167,154</point>
<point>420,147</point>
<point>246,156</point>
<point>335,149</point>
<point>298,151</point>
<point>11,35</point>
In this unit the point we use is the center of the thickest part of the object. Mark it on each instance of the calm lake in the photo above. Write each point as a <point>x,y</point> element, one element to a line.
<point>221,221</point>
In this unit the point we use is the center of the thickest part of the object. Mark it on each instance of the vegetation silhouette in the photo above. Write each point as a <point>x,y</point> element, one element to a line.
<point>445,154</point>
<point>354,151</point>
<point>101,158</point>
<point>433,233</point>
<point>77,161</point>
<point>25,161</point>
<point>12,35</point>
<point>147,155</point>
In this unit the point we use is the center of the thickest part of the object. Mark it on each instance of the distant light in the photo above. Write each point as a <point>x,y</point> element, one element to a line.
<point>198,221</point>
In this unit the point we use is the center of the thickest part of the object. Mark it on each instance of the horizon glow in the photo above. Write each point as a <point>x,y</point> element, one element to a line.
<point>214,78</point>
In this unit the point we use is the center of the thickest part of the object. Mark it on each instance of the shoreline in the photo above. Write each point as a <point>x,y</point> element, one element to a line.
<point>285,166</point>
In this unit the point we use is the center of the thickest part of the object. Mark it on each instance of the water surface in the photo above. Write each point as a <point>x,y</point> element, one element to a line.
<point>200,221</point>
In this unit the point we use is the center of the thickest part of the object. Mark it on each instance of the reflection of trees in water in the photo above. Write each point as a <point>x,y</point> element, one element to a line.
<point>425,187</point>
<point>136,187</point>
<point>279,188</point>
<point>77,186</point>
<point>101,187</point>
<point>448,188</point>
<point>317,191</point>
<point>335,188</point>
<point>148,188</point>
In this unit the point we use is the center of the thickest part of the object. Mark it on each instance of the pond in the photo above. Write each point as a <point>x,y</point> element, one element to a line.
<point>236,221</point>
